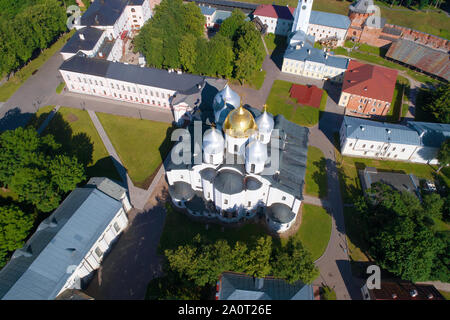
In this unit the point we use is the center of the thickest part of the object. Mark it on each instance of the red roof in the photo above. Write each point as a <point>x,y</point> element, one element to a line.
<point>306,95</point>
<point>274,11</point>
<point>370,81</point>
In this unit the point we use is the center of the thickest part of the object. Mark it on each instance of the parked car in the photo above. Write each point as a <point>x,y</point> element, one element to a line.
<point>429,186</point>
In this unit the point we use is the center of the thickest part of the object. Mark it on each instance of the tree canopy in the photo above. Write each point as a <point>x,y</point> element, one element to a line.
<point>36,168</point>
<point>26,27</point>
<point>437,103</point>
<point>175,38</point>
<point>443,155</point>
<point>399,236</point>
<point>14,228</point>
<point>202,262</point>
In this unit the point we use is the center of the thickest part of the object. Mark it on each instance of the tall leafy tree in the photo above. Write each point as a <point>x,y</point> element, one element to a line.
<point>231,25</point>
<point>443,155</point>
<point>14,228</point>
<point>293,263</point>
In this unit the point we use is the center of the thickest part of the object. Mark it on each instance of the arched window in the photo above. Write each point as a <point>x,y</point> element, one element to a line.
<point>133,10</point>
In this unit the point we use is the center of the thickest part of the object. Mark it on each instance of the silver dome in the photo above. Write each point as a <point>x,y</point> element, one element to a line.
<point>213,141</point>
<point>223,99</point>
<point>265,122</point>
<point>256,151</point>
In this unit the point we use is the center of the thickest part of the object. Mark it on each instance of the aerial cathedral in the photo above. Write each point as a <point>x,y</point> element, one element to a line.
<point>247,164</point>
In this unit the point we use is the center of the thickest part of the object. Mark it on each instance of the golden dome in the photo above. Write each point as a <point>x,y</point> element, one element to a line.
<point>240,123</point>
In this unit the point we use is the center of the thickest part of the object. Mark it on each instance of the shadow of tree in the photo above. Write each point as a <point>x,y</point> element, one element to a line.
<point>320,177</point>
<point>13,119</point>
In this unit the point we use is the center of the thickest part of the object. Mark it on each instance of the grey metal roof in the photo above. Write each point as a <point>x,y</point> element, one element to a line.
<point>252,183</point>
<point>329,19</point>
<point>398,181</point>
<point>309,53</point>
<point>280,212</point>
<point>229,181</point>
<point>132,73</point>
<point>236,286</point>
<point>104,12</point>
<point>380,131</point>
<point>362,6</point>
<point>39,270</point>
<point>75,43</point>
<point>431,134</point>
<point>107,186</point>
<point>207,10</point>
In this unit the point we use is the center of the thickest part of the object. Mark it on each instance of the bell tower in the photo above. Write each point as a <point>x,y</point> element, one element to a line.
<point>301,16</point>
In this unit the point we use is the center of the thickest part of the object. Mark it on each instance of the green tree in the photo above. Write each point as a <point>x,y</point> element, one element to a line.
<point>230,25</point>
<point>437,103</point>
<point>259,258</point>
<point>188,52</point>
<point>293,263</point>
<point>14,228</point>
<point>66,172</point>
<point>433,205</point>
<point>443,155</point>
<point>222,55</point>
<point>245,66</point>
<point>398,238</point>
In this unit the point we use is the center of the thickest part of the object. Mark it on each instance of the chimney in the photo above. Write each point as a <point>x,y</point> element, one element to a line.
<point>388,131</point>
<point>362,128</point>
<point>259,283</point>
<point>81,36</point>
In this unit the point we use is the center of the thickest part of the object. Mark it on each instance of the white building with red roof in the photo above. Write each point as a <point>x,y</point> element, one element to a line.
<point>278,19</point>
<point>321,25</point>
<point>367,90</point>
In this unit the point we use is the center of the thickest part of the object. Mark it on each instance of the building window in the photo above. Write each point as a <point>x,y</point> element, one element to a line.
<point>249,204</point>
<point>393,149</point>
<point>101,83</point>
<point>115,95</point>
<point>225,201</point>
<point>146,92</point>
<point>371,147</point>
<point>116,227</point>
<point>134,89</point>
<point>157,94</point>
<point>252,168</point>
<point>98,252</point>
<point>133,10</point>
<point>96,83</point>
<point>363,145</point>
<point>283,198</point>
<point>140,90</point>
<point>128,87</point>
<point>68,77</point>
<point>403,150</point>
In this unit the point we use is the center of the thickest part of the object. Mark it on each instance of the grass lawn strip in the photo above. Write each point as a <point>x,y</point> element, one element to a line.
<point>316,175</point>
<point>140,144</point>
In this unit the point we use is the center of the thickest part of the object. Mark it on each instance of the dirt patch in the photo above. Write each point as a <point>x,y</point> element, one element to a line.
<point>71,117</point>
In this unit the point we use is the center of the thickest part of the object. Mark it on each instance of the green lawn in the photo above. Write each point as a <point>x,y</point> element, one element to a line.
<point>446,294</point>
<point>279,102</point>
<point>14,83</point>
<point>315,230</point>
<point>316,175</point>
<point>140,144</point>
<point>395,111</point>
<point>60,87</point>
<point>274,42</point>
<point>257,80</point>
<point>39,117</point>
<point>179,229</point>
<point>69,122</point>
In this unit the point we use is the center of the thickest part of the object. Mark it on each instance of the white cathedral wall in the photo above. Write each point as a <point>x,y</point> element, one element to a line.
<point>196,179</point>
<point>277,196</point>
<point>231,142</point>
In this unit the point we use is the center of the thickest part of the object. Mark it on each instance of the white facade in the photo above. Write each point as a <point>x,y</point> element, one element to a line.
<point>277,26</point>
<point>117,90</point>
<point>321,32</point>
<point>302,15</point>
<point>312,69</point>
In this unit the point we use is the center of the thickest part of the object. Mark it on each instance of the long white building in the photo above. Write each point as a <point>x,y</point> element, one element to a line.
<point>231,179</point>
<point>414,142</point>
<point>155,88</point>
<point>69,245</point>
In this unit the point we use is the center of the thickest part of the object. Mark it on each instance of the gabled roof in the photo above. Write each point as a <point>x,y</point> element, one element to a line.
<point>238,286</point>
<point>103,12</point>
<point>370,81</point>
<point>75,43</point>
<point>208,11</point>
<point>132,73</point>
<point>431,134</point>
<point>38,271</point>
<point>358,128</point>
<point>329,19</point>
<point>309,53</point>
<point>275,11</point>
<point>425,58</point>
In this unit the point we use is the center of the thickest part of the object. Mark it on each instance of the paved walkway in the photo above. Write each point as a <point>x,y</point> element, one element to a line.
<point>138,197</point>
<point>48,119</point>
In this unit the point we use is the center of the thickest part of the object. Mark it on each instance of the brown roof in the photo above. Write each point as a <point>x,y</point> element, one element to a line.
<point>422,57</point>
<point>370,81</point>
<point>405,291</point>
<point>274,11</point>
